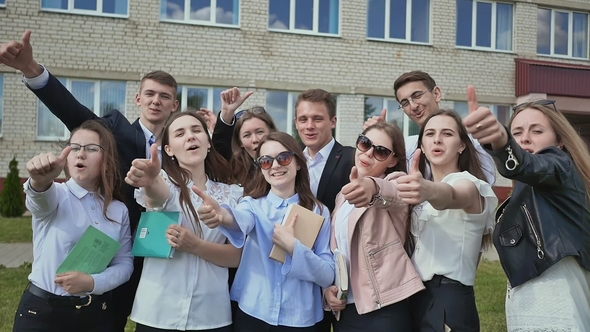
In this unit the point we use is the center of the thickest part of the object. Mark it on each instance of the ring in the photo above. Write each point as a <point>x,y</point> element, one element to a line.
<point>478,126</point>
<point>177,234</point>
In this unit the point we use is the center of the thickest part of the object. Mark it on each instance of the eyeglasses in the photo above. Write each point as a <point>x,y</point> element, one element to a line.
<point>284,158</point>
<point>253,110</point>
<point>364,144</point>
<point>543,102</point>
<point>88,148</point>
<point>415,96</point>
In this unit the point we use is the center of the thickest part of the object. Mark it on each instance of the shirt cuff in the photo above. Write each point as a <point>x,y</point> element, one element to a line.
<point>36,83</point>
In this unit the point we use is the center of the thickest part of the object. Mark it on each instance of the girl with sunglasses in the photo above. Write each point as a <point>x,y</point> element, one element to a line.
<point>542,231</point>
<point>62,212</point>
<point>450,224</point>
<point>188,292</point>
<point>271,295</point>
<point>369,226</point>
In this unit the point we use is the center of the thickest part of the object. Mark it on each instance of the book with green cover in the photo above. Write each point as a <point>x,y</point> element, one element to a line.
<point>150,237</point>
<point>91,254</point>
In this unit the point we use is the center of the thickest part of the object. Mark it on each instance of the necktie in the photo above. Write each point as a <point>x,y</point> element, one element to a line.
<point>152,140</point>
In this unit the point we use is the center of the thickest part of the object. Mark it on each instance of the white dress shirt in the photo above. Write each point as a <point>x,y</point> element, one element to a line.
<point>149,135</point>
<point>449,241</point>
<point>341,235</point>
<point>316,165</point>
<point>61,214</point>
<point>186,292</point>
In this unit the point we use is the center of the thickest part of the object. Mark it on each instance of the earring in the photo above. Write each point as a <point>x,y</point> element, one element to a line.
<point>461,151</point>
<point>173,158</point>
<point>208,149</point>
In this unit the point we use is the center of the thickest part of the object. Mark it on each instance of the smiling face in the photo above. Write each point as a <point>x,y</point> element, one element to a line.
<point>532,131</point>
<point>280,178</point>
<point>251,132</point>
<point>85,167</point>
<point>314,125</point>
<point>422,103</point>
<point>188,141</point>
<point>441,143</point>
<point>156,101</point>
<point>366,163</point>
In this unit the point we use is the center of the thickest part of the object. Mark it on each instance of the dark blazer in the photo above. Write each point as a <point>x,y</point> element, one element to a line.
<point>130,139</point>
<point>336,174</point>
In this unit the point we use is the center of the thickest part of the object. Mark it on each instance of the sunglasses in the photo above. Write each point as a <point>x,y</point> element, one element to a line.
<point>253,110</point>
<point>543,102</point>
<point>284,158</point>
<point>364,144</point>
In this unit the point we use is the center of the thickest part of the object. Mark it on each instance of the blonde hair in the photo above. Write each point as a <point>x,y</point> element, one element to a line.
<point>566,135</point>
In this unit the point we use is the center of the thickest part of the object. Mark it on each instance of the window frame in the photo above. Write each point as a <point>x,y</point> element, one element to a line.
<point>211,22</point>
<point>387,23</point>
<point>570,46</point>
<point>96,105</point>
<point>406,122</point>
<point>494,27</point>
<point>315,19</point>
<point>182,90</point>
<point>72,10</point>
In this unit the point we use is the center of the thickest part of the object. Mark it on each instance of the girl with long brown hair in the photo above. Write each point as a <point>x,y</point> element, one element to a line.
<point>62,212</point>
<point>285,296</point>
<point>190,289</point>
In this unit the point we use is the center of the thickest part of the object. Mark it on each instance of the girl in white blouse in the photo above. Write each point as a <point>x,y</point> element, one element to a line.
<point>452,220</point>
<point>74,301</point>
<point>190,291</point>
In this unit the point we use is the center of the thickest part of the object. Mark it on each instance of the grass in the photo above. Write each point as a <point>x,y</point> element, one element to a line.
<point>15,230</point>
<point>490,288</point>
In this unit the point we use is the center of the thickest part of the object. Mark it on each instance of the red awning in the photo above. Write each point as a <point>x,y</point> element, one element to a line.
<point>552,78</point>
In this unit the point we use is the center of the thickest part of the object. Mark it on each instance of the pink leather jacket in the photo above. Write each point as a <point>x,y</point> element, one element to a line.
<point>381,273</point>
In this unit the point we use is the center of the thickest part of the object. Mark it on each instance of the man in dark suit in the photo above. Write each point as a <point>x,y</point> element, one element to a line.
<point>156,99</point>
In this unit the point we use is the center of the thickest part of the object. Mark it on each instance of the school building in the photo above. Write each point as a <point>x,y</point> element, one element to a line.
<point>512,51</point>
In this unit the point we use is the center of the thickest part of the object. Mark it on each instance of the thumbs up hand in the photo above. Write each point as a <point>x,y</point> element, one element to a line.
<point>210,212</point>
<point>482,124</point>
<point>413,188</point>
<point>284,235</point>
<point>375,119</point>
<point>44,168</point>
<point>19,55</point>
<point>360,190</point>
<point>143,172</point>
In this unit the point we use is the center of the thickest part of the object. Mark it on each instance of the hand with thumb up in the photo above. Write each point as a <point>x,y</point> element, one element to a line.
<point>211,213</point>
<point>44,168</point>
<point>143,172</point>
<point>482,124</point>
<point>360,190</point>
<point>413,188</point>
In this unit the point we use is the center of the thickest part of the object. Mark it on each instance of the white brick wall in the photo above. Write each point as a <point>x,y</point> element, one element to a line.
<point>251,57</point>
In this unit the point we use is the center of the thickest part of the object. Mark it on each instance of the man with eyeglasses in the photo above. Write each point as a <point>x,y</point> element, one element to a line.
<point>419,96</point>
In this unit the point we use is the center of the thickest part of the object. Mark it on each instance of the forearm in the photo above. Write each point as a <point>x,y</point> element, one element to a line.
<point>157,193</point>
<point>32,70</point>
<point>225,255</point>
<point>40,185</point>
<point>442,196</point>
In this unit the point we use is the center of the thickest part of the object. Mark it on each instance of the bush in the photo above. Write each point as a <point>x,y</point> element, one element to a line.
<point>11,200</point>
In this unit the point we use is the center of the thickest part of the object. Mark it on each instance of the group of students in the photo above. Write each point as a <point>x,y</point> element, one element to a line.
<point>412,216</point>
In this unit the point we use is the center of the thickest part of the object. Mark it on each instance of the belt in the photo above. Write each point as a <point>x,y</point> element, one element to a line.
<point>442,280</point>
<point>57,300</point>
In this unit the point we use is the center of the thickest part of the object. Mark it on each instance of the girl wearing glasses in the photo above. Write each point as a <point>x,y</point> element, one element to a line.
<point>542,232</point>
<point>369,226</point>
<point>282,296</point>
<point>450,224</point>
<point>188,292</point>
<point>62,212</point>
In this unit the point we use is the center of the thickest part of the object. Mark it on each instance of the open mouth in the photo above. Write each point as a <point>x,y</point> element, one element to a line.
<point>79,166</point>
<point>278,174</point>
<point>193,148</point>
<point>437,151</point>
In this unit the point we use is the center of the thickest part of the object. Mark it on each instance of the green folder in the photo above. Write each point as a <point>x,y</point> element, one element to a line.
<point>150,237</point>
<point>91,254</point>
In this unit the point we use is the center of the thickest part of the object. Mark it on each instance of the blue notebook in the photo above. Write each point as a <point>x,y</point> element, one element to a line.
<point>150,237</point>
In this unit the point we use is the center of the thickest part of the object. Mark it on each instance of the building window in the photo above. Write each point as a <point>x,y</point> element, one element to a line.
<point>304,16</point>
<point>485,25</point>
<point>117,8</point>
<point>502,112</point>
<point>2,3</point>
<point>1,103</point>
<point>562,33</point>
<point>395,115</point>
<point>197,97</point>
<point>99,96</point>
<point>206,12</point>
<point>399,20</point>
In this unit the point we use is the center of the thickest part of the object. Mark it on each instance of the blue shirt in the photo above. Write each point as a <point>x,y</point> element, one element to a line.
<point>286,294</point>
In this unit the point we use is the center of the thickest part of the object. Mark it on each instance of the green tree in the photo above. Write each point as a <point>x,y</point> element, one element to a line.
<point>11,200</point>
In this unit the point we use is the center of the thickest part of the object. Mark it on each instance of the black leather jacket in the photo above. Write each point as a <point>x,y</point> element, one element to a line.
<point>546,219</point>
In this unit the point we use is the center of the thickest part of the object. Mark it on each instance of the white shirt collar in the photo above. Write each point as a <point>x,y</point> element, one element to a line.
<point>76,189</point>
<point>146,132</point>
<point>323,153</point>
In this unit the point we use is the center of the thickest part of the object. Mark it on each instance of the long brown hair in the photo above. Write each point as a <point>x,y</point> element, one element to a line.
<point>468,159</point>
<point>216,167</point>
<point>109,182</point>
<point>566,135</point>
<point>261,188</point>
<point>241,162</point>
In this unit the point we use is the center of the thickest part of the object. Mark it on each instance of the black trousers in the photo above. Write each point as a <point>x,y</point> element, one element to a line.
<point>124,295</point>
<point>35,315</point>
<point>143,328</point>
<point>394,317</point>
<point>444,302</point>
<point>247,323</point>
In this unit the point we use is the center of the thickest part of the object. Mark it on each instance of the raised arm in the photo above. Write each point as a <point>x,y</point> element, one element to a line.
<point>231,99</point>
<point>145,174</point>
